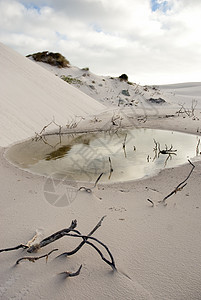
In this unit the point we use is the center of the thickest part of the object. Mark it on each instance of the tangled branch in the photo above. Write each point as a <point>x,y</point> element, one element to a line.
<point>66,232</point>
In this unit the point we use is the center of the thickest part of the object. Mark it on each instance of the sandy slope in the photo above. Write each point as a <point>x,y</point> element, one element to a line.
<point>31,97</point>
<point>112,92</point>
<point>156,249</point>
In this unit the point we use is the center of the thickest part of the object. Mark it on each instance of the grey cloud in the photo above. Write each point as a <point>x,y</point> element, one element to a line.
<point>110,37</point>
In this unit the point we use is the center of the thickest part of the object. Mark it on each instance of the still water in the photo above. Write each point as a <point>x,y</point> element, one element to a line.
<point>121,156</point>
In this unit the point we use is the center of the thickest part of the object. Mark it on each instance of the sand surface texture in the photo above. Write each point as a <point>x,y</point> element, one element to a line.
<point>156,248</point>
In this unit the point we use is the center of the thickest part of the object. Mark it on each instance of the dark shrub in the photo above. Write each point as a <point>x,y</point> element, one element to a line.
<point>123,77</point>
<point>54,59</point>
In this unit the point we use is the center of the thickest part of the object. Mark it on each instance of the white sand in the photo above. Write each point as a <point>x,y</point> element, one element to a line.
<point>31,97</point>
<point>156,249</point>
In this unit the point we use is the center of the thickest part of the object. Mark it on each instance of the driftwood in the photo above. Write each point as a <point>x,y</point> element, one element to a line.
<point>52,238</point>
<point>33,259</point>
<point>66,232</point>
<point>89,190</point>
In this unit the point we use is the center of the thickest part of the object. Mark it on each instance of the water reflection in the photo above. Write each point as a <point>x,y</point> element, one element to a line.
<point>59,153</point>
<point>124,155</point>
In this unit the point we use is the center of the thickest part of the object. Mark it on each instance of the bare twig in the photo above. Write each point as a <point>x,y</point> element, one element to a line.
<point>167,151</point>
<point>124,145</point>
<point>14,248</point>
<point>197,147</point>
<point>189,112</point>
<point>181,185</point>
<point>151,201</point>
<point>74,123</point>
<point>114,119</point>
<point>40,135</point>
<point>33,259</point>
<point>111,168</point>
<point>89,190</point>
<point>71,274</point>
<point>124,142</point>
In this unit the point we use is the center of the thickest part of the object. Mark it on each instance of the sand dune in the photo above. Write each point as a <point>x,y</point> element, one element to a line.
<point>31,97</point>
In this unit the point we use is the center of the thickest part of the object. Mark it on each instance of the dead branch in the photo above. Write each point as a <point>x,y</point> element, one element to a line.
<point>52,238</point>
<point>72,124</point>
<point>151,201</point>
<point>114,119</point>
<point>124,142</point>
<point>189,112</point>
<point>142,119</point>
<point>197,148</point>
<point>88,190</point>
<point>40,135</point>
<point>124,145</point>
<point>112,263</point>
<point>181,185</point>
<point>44,128</point>
<point>84,240</point>
<point>111,168</point>
<point>33,259</point>
<point>168,157</point>
<point>85,237</point>
<point>193,106</point>
<point>66,232</point>
<point>71,274</point>
<point>167,151</point>
<point>14,248</point>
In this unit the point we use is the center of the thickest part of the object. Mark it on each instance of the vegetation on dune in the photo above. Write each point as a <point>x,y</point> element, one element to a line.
<point>85,69</point>
<point>54,59</point>
<point>71,80</point>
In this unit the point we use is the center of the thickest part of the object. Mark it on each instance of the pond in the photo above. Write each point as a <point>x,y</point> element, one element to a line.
<point>121,156</point>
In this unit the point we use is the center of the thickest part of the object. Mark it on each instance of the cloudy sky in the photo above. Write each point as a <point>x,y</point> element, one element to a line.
<point>152,41</point>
